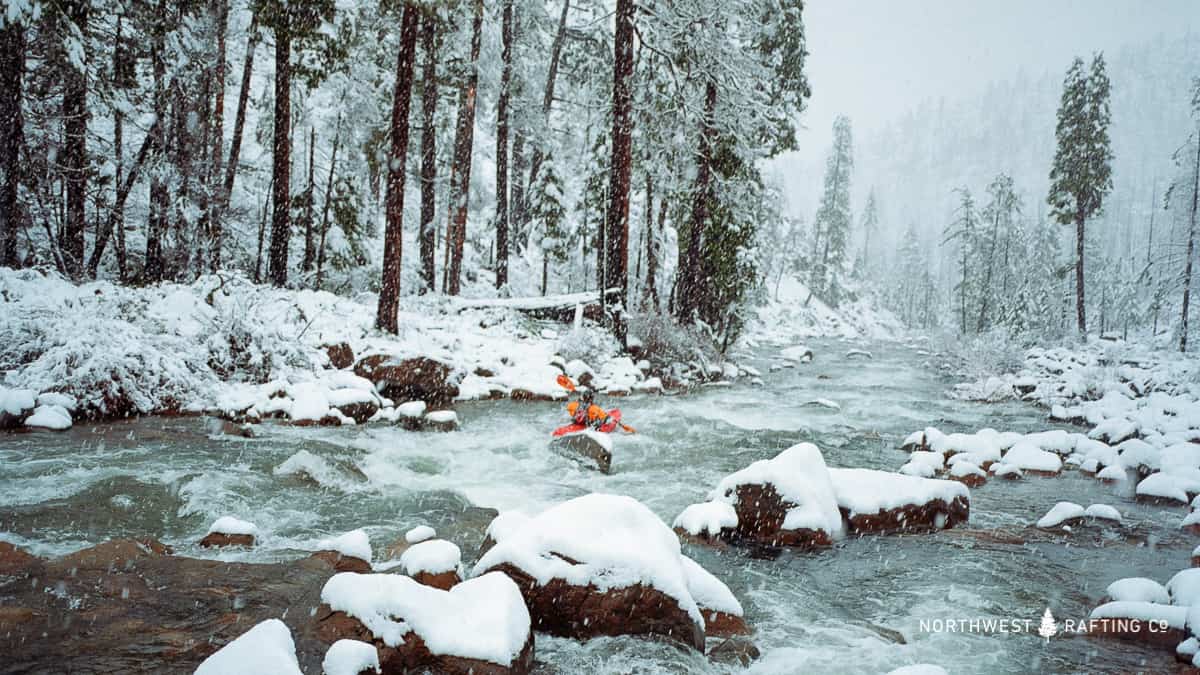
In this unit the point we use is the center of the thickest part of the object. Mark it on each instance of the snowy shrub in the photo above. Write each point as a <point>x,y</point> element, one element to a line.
<point>586,344</point>
<point>982,355</point>
<point>665,341</point>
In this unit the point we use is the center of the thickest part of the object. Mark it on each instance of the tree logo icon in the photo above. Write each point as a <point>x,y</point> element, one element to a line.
<point>1049,627</point>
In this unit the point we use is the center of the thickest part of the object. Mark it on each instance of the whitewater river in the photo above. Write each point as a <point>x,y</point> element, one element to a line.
<point>839,610</point>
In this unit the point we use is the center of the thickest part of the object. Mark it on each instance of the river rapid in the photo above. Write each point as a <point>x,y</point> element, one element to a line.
<point>867,605</point>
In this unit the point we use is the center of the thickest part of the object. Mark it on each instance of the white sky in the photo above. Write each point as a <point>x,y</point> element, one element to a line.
<point>875,59</point>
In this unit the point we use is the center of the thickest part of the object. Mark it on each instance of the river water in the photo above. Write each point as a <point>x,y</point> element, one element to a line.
<point>837,610</point>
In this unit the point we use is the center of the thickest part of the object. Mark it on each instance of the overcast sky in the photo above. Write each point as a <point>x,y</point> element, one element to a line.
<point>874,59</point>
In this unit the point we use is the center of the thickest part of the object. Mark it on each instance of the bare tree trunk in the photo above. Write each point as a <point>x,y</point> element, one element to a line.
<point>617,220</point>
<point>1187,269</point>
<point>506,32</point>
<point>281,171</point>
<point>1080,316</point>
<point>239,120</point>
<point>310,243</point>
<point>460,172</point>
<point>325,207</point>
<point>262,233</point>
<point>12,71</point>
<point>429,94</point>
<point>987,279</point>
<point>74,155</point>
<point>389,290</point>
<point>651,292</point>
<point>690,292</point>
<point>118,213</point>
<point>215,196</point>
<point>556,47</point>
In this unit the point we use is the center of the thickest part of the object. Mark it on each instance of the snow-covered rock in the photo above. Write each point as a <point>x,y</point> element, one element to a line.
<point>1029,457</point>
<point>480,624</point>
<point>53,417</point>
<point>351,657</point>
<point>592,448</point>
<point>442,420</point>
<point>1138,589</point>
<point>1102,512</point>
<point>266,648</point>
<point>434,562</point>
<point>1162,486</point>
<point>600,565</point>
<point>880,501</point>
<point>1060,513</point>
<point>230,531</point>
<point>349,552</point>
<point>968,474</point>
<point>419,534</point>
<point>706,519</point>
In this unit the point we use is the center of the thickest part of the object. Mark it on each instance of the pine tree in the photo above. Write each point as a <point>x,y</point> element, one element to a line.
<point>1081,174</point>
<point>460,170</point>
<point>833,218</point>
<point>548,213</point>
<point>870,228</point>
<point>998,217</point>
<point>1184,196</point>
<point>965,230</point>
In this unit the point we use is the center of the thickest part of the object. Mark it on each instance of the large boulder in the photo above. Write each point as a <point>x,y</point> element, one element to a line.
<point>784,501</point>
<point>607,565</point>
<point>15,406</point>
<point>411,379</point>
<point>479,627</point>
<point>341,355</point>
<point>881,502</point>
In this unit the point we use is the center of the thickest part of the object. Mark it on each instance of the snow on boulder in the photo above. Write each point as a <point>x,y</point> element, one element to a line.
<point>230,531</point>
<point>706,521</point>
<point>918,469</point>
<point>600,565</point>
<point>351,657</point>
<point>723,614</point>
<point>784,501</point>
<point>419,534</point>
<point>1161,487</point>
<point>1146,622</point>
<point>266,648</point>
<point>442,420</point>
<point>15,406</point>
<point>1184,587</point>
<point>1031,458</point>
<point>65,401</point>
<point>480,625</point>
<point>1138,454</point>
<point>1112,474</point>
<point>1138,589</point>
<point>580,372</point>
<point>1060,513</point>
<point>1102,512</point>
<point>53,417</point>
<point>651,385</point>
<point>435,562</point>
<point>1006,471</point>
<point>1115,430</point>
<point>968,474</point>
<point>880,501</point>
<point>310,403</point>
<point>349,552</point>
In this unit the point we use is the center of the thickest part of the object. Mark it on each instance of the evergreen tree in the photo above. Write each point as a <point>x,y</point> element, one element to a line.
<point>1183,196</point>
<point>870,229</point>
<point>548,213</point>
<point>1081,175</point>
<point>999,217</point>
<point>833,218</point>
<point>965,230</point>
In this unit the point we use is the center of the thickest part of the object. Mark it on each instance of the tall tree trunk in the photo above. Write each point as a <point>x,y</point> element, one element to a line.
<point>651,294</point>
<point>506,32</point>
<point>556,47</point>
<point>690,291</point>
<point>310,242</point>
<point>281,227</point>
<point>429,94</point>
<point>215,195</point>
<point>159,197</point>
<point>12,71</point>
<point>1080,316</point>
<point>617,220</point>
<point>389,288</point>
<point>74,156</point>
<point>1187,270</point>
<point>239,120</point>
<point>262,232</point>
<point>460,171</point>
<point>325,207</point>
<point>118,213</point>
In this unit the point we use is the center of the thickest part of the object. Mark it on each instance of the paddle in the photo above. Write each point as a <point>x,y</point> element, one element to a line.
<point>566,383</point>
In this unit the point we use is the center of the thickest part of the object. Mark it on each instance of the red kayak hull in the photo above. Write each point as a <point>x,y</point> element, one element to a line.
<point>614,417</point>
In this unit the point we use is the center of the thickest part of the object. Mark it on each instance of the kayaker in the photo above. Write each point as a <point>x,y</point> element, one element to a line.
<point>585,411</point>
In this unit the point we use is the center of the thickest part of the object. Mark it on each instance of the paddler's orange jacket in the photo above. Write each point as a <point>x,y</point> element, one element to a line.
<point>595,414</point>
